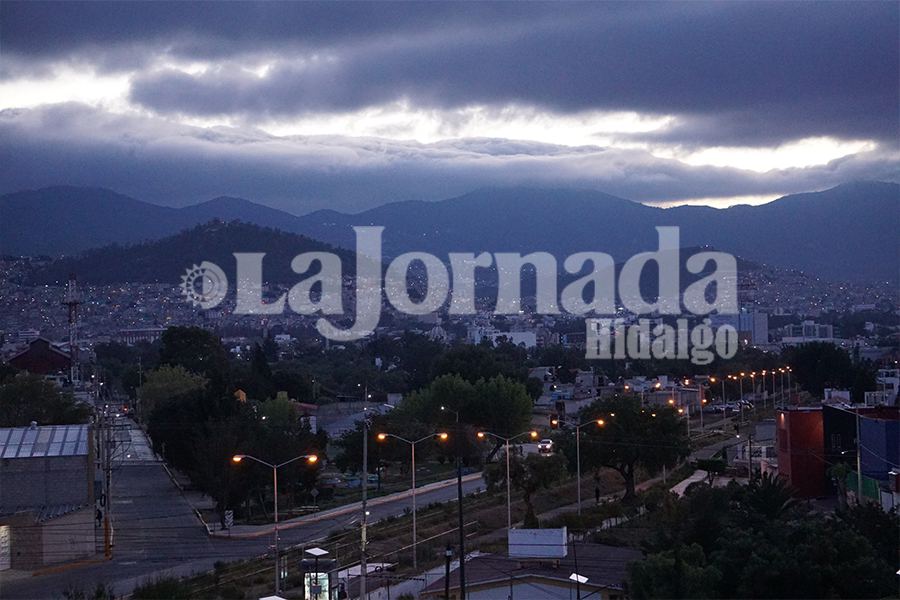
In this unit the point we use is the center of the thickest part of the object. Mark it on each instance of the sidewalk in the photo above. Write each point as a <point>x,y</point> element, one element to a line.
<point>255,531</point>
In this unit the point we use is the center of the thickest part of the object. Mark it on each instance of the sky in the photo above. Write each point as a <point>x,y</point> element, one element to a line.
<point>304,106</point>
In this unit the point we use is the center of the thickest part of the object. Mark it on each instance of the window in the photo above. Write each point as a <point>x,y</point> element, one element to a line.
<point>836,441</point>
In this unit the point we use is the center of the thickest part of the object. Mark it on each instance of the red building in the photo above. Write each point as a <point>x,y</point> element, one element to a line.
<point>42,357</point>
<point>801,450</point>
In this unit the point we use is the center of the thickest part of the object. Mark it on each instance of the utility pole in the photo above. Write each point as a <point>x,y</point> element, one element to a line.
<point>137,392</point>
<point>365,489</point>
<point>275,527</point>
<point>459,495</point>
<point>859,481</point>
<point>750,452</point>
<point>107,469</point>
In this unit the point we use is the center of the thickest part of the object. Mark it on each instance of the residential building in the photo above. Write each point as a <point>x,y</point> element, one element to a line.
<point>811,440</point>
<point>42,357</point>
<point>541,563</point>
<point>801,450</point>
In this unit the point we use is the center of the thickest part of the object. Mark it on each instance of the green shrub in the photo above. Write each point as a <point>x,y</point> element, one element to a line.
<point>165,588</point>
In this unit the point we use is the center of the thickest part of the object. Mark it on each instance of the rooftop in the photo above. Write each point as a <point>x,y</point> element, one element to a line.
<point>604,566</point>
<point>47,440</point>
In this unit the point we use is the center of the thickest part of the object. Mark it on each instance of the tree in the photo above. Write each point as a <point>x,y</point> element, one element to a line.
<point>168,382</point>
<point>631,437</point>
<point>27,397</point>
<point>101,591</point>
<point>259,384</point>
<point>451,391</point>
<point>198,351</point>
<point>473,362</point>
<point>212,469</point>
<point>682,572</point>
<point>770,496</point>
<point>295,382</point>
<point>881,528</point>
<point>500,405</point>
<point>762,546</point>
<point>528,475</point>
<point>819,365</point>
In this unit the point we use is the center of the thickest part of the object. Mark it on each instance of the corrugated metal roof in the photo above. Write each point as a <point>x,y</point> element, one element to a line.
<point>55,511</point>
<point>46,440</point>
<point>44,513</point>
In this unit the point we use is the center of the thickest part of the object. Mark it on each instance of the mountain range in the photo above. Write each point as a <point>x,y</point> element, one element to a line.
<point>165,260</point>
<point>846,232</point>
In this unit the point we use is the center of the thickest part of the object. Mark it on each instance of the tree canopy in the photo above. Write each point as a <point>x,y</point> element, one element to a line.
<point>753,542</point>
<point>27,397</point>
<point>630,437</point>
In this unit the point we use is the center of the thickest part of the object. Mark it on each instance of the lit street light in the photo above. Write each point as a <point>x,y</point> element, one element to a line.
<point>310,459</point>
<point>481,435</point>
<point>412,446</point>
<point>599,423</point>
<point>459,495</point>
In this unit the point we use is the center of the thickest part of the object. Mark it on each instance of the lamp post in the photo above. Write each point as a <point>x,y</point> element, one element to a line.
<point>788,369</point>
<point>459,495</point>
<point>364,520</point>
<point>578,426</point>
<point>783,403</point>
<point>507,440</point>
<point>686,412</point>
<point>753,389</point>
<point>773,390</point>
<point>412,446</point>
<point>765,393</point>
<point>311,459</point>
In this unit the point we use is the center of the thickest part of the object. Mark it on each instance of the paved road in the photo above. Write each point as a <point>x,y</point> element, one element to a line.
<point>158,534</point>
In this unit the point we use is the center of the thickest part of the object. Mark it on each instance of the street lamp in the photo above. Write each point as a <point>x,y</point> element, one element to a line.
<point>783,403</point>
<point>788,369</point>
<point>310,459</point>
<point>598,423</point>
<point>459,501</point>
<point>774,405</point>
<point>481,435</point>
<point>753,388</point>
<point>687,417</point>
<point>412,446</point>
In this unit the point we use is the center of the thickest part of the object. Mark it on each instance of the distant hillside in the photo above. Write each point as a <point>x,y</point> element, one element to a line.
<point>68,220</point>
<point>847,232</point>
<point>165,260</point>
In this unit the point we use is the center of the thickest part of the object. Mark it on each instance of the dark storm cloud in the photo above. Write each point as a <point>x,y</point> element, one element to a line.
<point>118,35</point>
<point>175,164</point>
<point>734,73</point>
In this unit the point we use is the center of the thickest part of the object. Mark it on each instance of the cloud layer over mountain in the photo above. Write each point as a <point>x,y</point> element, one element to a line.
<point>653,101</point>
